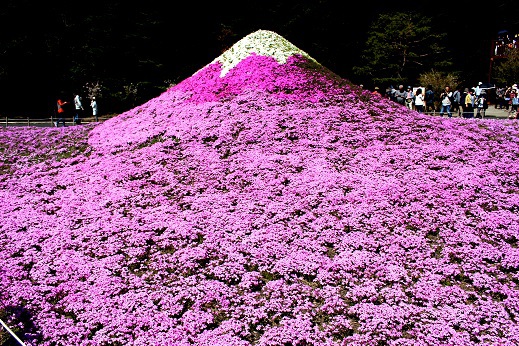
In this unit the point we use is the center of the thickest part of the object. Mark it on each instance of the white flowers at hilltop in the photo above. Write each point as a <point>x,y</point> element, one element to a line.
<point>261,42</point>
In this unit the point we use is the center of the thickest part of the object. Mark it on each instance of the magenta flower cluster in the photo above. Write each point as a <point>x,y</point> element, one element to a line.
<point>277,205</point>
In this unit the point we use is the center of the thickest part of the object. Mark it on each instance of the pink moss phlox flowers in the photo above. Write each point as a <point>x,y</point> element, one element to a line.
<point>275,205</point>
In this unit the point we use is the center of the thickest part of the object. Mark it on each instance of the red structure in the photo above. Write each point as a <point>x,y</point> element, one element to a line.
<point>501,48</point>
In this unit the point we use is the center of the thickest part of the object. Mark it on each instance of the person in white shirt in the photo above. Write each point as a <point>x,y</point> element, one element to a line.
<point>93,104</point>
<point>419,101</point>
<point>79,109</point>
<point>477,90</point>
<point>446,99</point>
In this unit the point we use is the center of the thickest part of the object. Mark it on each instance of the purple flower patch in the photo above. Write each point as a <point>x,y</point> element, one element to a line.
<point>275,205</point>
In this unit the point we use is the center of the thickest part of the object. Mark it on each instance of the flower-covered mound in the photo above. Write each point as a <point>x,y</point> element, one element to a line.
<point>276,205</point>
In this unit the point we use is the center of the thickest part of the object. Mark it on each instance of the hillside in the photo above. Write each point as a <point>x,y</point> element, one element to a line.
<point>262,201</point>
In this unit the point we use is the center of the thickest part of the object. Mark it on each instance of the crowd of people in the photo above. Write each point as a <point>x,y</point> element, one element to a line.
<point>63,110</point>
<point>462,102</point>
<point>507,98</point>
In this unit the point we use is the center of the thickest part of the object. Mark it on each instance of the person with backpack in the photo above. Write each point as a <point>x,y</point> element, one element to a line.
<point>429,99</point>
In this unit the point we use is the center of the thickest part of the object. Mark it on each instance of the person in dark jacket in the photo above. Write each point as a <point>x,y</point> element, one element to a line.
<point>456,99</point>
<point>429,100</point>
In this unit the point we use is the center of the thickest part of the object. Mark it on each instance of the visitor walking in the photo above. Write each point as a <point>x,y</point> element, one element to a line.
<point>93,104</point>
<point>61,104</point>
<point>79,109</point>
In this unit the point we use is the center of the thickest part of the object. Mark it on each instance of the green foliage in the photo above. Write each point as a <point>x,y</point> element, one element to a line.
<point>19,321</point>
<point>400,45</point>
<point>4,335</point>
<point>438,80</point>
<point>507,72</point>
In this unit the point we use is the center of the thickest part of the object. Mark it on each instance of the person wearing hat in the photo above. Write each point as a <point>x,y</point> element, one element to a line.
<point>93,104</point>
<point>409,98</point>
<point>477,90</point>
<point>376,91</point>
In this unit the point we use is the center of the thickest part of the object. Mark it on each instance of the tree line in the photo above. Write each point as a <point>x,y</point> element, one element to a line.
<point>127,54</point>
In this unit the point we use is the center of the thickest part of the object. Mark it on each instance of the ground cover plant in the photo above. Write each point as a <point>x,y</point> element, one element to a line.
<point>262,201</point>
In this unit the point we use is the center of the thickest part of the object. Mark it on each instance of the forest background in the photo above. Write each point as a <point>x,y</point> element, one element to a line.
<point>126,54</point>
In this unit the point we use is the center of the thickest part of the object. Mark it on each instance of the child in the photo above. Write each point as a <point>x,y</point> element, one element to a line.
<point>481,104</point>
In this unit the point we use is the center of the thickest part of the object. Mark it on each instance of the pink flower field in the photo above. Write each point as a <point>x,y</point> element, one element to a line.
<point>271,204</point>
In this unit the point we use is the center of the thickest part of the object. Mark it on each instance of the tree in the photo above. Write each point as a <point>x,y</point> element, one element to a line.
<point>438,81</point>
<point>400,46</point>
<point>507,72</point>
<point>68,47</point>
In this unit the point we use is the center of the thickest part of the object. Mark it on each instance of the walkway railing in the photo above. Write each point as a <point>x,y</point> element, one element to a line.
<point>39,122</point>
<point>43,122</point>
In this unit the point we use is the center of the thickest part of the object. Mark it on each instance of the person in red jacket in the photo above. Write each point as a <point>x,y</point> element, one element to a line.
<point>61,112</point>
